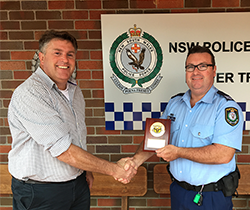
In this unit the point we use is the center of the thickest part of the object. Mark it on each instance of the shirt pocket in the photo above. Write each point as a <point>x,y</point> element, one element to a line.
<point>203,134</point>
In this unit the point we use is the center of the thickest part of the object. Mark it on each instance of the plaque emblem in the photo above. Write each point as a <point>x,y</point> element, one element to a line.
<point>157,129</point>
<point>136,60</point>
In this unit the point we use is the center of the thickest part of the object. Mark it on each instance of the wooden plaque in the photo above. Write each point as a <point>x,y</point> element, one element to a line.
<point>157,134</point>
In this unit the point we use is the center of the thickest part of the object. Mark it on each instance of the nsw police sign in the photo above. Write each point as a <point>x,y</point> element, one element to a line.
<point>144,58</point>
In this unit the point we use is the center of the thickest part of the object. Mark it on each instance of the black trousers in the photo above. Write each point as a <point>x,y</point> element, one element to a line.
<point>71,195</point>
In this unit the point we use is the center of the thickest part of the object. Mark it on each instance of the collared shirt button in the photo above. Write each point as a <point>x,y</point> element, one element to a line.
<point>199,133</point>
<point>182,140</point>
<point>186,125</point>
<point>180,172</point>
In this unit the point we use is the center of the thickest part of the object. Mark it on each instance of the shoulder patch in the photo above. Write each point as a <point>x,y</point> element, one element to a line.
<point>179,94</point>
<point>231,116</point>
<point>226,96</point>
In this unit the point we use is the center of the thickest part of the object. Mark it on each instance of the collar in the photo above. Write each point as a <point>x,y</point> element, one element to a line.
<point>49,82</point>
<point>208,98</point>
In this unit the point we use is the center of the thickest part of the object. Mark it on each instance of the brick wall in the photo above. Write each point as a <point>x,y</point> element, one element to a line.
<point>22,23</point>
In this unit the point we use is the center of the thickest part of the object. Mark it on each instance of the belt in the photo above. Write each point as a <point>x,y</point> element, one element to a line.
<point>31,181</point>
<point>217,186</point>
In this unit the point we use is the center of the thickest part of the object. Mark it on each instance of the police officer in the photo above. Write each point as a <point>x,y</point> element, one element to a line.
<point>206,131</point>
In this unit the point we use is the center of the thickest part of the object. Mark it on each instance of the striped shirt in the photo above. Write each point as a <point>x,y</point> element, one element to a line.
<point>43,124</point>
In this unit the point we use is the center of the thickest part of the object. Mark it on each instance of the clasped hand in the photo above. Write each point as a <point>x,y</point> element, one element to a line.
<point>126,171</point>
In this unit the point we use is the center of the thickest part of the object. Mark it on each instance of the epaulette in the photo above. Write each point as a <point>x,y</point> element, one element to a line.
<point>179,94</point>
<point>226,96</point>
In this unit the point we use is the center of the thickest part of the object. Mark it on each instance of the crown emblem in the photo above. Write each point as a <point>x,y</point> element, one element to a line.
<point>135,31</point>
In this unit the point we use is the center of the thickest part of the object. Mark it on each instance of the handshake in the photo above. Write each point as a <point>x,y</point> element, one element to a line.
<point>125,169</point>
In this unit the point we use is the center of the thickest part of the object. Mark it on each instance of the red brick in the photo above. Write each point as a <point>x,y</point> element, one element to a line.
<point>83,74</point>
<point>3,158</point>
<point>89,64</point>
<point>9,25</point>
<point>95,121</point>
<point>97,45</point>
<point>45,15</point>
<point>245,3</point>
<point>10,5</point>
<point>4,131</point>
<point>95,35</point>
<point>61,4</point>
<point>33,25</point>
<point>3,15</point>
<point>93,4</point>
<point>90,130</point>
<point>82,55</point>
<point>197,3</point>
<point>22,15</point>
<point>129,148</point>
<point>5,93</point>
<point>5,148</point>
<point>34,5</point>
<point>9,45</point>
<point>75,14</point>
<point>3,35</point>
<point>91,84</point>
<point>103,131</point>
<point>12,65</point>
<point>19,35</point>
<point>88,24</point>
<point>243,158</point>
<point>109,202</point>
<point>4,55</point>
<point>6,105</point>
<point>79,34</point>
<point>31,45</point>
<point>138,139</point>
<point>98,93</point>
<point>158,202</point>
<point>61,24</point>
<point>95,103</point>
<point>97,74</point>
<point>113,4</point>
<point>220,3</point>
<point>11,84</point>
<point>96,55</point>
<point>22,55</point>
<point>143,4</point>
<point>170,4</point>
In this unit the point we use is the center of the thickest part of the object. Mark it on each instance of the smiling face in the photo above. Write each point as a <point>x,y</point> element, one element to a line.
<point>199,82</point>
<point>58,61</point>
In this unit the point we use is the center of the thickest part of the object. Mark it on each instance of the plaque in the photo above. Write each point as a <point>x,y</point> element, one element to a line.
<point>157,134</point>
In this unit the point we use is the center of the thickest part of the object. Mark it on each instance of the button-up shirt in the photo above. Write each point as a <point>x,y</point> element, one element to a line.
<point>43,124</point>
<point>208,122</point>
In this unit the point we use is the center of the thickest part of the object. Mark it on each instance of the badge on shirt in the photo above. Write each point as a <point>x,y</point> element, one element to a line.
<point>232,116</point>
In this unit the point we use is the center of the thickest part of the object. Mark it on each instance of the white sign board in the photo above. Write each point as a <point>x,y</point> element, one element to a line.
<point>144,58</point>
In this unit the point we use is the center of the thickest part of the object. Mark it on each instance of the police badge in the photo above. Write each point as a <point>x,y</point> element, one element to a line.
<point>136,60</point>
<point>232,116</point>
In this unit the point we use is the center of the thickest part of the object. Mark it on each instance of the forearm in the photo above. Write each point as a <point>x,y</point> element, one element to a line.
<point>141,156</point>
<point>211,154</point>
<point>79,158</point>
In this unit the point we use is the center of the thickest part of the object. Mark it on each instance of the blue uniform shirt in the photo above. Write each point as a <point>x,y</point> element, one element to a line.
<point>214,119</point>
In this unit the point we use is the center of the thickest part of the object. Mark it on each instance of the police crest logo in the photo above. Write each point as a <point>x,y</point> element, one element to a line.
<point>136,60</point>
<point>157,129</point>
<point>232,116</point>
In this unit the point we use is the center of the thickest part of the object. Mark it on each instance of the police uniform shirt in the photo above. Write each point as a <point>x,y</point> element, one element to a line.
<point>216,118</point>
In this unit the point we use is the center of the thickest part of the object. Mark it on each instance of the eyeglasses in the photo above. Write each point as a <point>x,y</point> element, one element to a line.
<point>201,67</point>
